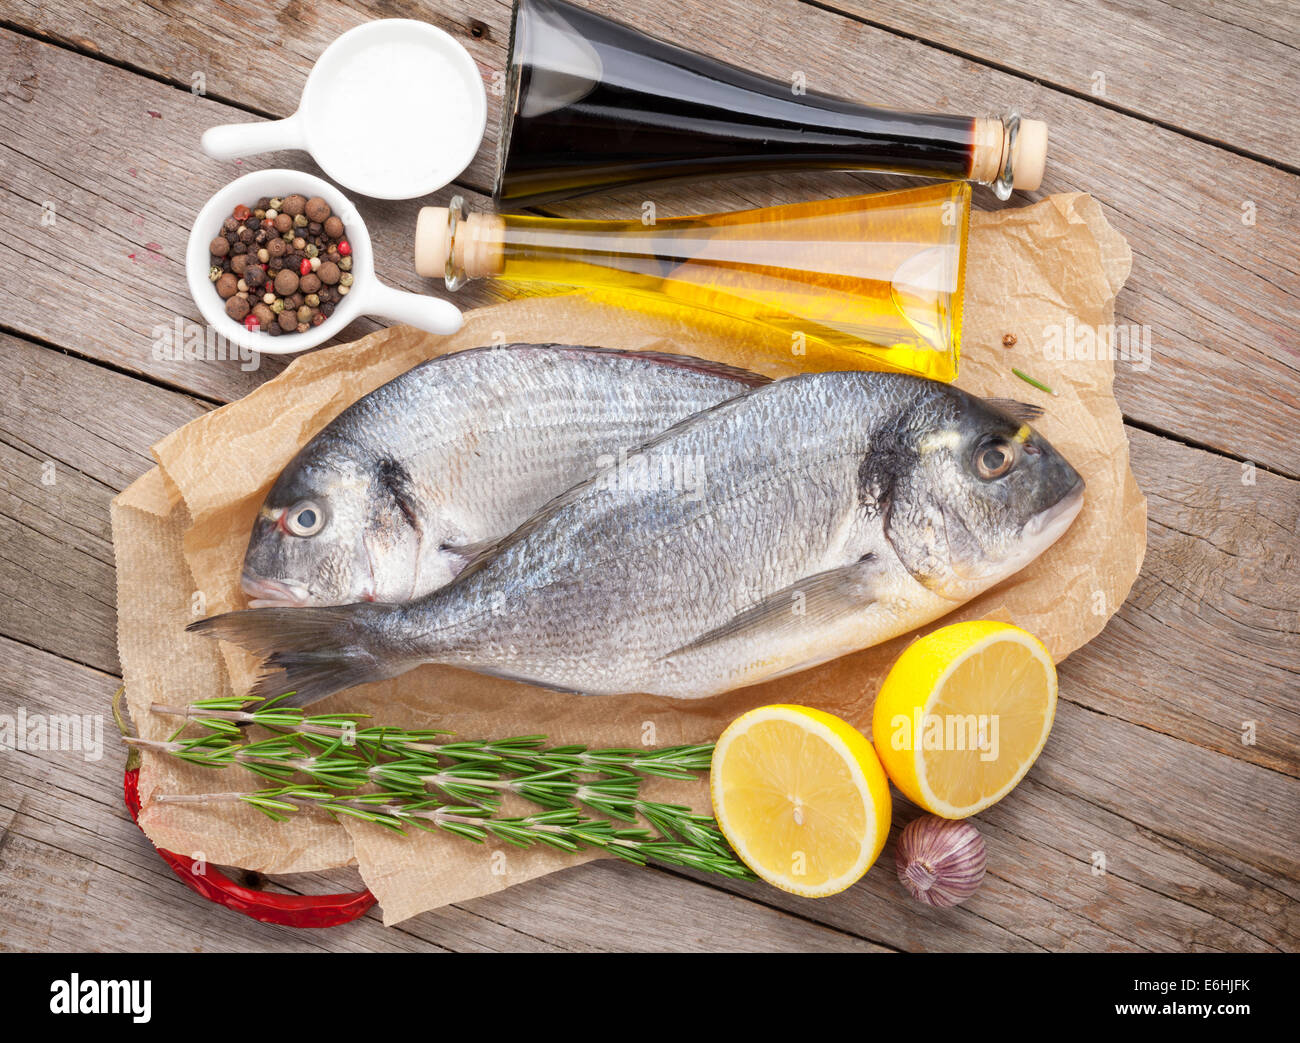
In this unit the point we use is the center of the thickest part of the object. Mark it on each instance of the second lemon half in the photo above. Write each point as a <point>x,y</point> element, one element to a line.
<point>964,714</point>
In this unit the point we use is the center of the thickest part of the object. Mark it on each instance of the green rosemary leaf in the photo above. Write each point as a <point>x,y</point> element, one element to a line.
<point>469,832</point>
<point>398,778</point>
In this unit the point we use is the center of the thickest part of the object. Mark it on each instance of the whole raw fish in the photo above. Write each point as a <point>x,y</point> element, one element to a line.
<point>393,497</point>
<point>839,510</point>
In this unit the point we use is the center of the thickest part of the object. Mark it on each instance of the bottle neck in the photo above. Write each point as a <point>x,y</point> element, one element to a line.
<point>456,245</point>
<point>1008,153</point>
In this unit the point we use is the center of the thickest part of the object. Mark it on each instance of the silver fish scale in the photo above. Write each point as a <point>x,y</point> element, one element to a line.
<point>488,436</point>
<point>598,595</point>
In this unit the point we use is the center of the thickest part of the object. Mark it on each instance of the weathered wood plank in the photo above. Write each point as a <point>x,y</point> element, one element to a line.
<point>77,875</point>
<point>1273,19</point>
<point>1234,812</point>
<point>1214,72</point>
<point>1210,630</point>
<point>1207,646</point>
<point>75,872</point>
<point>72,435</point>
<point>1198,851</point>
<point>1163,61</point>
<point>1220,298</point>
<point>223,51</point>
<point>69,839</point>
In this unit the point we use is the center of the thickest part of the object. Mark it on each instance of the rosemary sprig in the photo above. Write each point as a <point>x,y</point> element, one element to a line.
<point>564,829</point>
<point>389,776</point>
<point>1032,382</point>
<point>522,753</point>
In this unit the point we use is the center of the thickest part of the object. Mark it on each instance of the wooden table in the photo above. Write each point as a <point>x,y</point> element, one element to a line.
<point>1180,119</point>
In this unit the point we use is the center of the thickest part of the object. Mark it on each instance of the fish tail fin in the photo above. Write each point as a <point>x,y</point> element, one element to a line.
<point>307,653</point>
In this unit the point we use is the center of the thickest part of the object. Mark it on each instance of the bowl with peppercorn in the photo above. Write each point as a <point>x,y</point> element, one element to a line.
<point>280,261</point>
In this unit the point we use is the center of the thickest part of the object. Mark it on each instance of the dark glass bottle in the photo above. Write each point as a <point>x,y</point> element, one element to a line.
<point>592,103</point>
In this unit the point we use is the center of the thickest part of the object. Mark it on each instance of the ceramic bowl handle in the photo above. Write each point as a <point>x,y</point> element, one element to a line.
<point>233,140</point>
<point>414,309</point>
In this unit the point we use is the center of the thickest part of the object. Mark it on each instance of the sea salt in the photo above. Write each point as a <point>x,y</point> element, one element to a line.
<point>381,120</point>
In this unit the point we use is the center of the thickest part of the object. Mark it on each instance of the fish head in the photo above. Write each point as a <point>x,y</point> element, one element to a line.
<point>308,545</point>
<point>975,493</point>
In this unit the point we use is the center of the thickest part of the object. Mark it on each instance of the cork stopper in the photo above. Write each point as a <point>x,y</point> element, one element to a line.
<point>470,249</point>
<point>1028,153</point>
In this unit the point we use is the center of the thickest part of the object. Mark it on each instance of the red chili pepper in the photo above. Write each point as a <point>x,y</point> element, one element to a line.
<point>285,910</point>
<point>305,267</point>
<point>345,248</point>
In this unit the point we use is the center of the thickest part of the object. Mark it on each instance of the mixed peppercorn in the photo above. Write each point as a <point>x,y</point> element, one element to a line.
<point>282,265</point>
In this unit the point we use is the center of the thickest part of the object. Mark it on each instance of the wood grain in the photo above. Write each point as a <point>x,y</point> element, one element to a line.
<point>1220,298</point>
<point>72,435</point>
<point>1209,638</point>
<point>1234,71</point>
<point>1146,767</point>
<point>1199,853</point>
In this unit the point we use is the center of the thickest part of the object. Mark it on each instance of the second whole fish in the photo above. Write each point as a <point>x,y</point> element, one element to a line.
<point>396,494</point>
<point>840,510</point>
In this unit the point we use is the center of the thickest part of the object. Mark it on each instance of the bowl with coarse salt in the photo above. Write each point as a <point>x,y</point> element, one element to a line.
<point>393,109</point>
<point>341,282</point>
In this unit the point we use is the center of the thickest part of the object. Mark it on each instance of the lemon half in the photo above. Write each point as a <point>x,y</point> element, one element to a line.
<point>964,714</point>
<point>801,797</point>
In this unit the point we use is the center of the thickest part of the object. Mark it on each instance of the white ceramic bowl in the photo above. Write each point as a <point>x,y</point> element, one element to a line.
<point>313,128</point>
<point>367,296</point>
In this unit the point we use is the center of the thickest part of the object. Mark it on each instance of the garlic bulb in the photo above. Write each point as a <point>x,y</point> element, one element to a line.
<point>940,862</point>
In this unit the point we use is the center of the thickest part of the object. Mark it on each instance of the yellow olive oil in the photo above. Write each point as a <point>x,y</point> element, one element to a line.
<point>864,282</point>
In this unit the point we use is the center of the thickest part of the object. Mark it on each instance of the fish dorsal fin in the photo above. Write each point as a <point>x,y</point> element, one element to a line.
<point>1021,412</point>
<point>811,602</point>
<point>708,367</point>
<point>666,358</point>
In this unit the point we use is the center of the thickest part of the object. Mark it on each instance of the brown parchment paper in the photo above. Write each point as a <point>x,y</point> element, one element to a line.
<point>181,530</point>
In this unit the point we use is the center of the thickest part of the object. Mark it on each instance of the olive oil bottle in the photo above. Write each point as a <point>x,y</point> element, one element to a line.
<point>872,281</point>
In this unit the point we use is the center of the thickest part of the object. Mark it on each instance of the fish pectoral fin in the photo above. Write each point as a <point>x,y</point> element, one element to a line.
<point>816,599</point>
<point>466,550</point>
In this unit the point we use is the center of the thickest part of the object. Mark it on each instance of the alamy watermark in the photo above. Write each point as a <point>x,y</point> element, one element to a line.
<point>38,733</point>
<point>651,472</point>
<point>947,732</point>
<point>1080,342</point>
<point>72,995</point>
<point>183,341</point>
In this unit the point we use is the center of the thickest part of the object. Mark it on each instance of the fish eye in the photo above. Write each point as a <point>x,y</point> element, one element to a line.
<point>304,519</point>
<point>994,459</point>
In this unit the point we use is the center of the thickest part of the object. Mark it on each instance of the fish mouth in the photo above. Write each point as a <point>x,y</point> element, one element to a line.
<point>1046,527</point>
<point>272,593</point>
